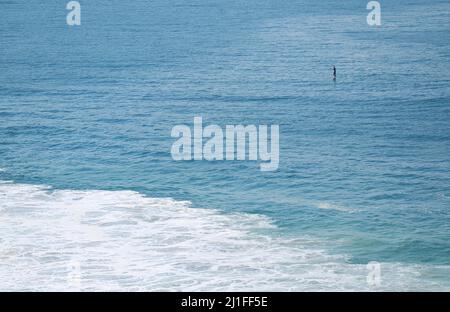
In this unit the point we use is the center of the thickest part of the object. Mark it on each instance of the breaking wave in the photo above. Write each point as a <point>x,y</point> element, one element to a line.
<point>122,240</point>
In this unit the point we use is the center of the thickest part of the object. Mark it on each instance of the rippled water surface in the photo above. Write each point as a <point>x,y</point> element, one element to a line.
<point>87,175</point>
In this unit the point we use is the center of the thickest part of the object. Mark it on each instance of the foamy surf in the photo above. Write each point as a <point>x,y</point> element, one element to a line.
<point>121,240</point>
<point>332,206</point>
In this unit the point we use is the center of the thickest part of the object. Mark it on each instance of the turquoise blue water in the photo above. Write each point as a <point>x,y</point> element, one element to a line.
<point>364,161</point>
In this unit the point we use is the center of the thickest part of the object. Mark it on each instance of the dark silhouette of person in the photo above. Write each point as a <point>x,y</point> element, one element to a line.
<point>334,72</point>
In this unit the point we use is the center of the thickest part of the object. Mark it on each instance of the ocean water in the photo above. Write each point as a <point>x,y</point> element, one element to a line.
<point>90,198</point>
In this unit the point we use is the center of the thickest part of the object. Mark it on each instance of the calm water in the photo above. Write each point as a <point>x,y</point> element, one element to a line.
<point>86,114</point>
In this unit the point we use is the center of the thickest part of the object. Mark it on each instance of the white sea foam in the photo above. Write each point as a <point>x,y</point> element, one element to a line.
<point>332,206</point>
<point>105,240</point>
